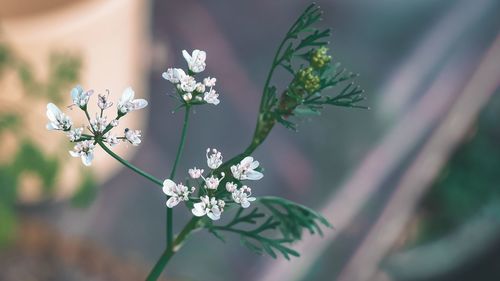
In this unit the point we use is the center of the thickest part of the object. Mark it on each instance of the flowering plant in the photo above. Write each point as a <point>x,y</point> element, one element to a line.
<point>274,223</point>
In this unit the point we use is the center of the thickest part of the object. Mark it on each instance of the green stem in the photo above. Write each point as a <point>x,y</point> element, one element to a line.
<point>168,253</point>
<point>130,166</point>
<point>169,221</point>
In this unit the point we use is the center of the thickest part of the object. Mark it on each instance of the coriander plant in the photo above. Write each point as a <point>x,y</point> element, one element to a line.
<point>266,224</point>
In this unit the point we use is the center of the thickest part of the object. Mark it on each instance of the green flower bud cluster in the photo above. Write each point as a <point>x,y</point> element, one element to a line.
<point>320,58</point>
<point>308,79</point>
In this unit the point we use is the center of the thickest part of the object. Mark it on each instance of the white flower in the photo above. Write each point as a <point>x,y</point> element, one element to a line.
<point>208,206</point>
<point>99,124</point>
<point>213,182</point>
<point>187,84</point>
<point>187,96</point>
<point>245,170</point>
<point>195,173</point>
<point>209,82</point>
<point>200,88</point>
<point>114,122</point>
<point>103,102</point>
<point>231,187</point>
<point>85,150</point>
<point>177,192</point>
<point>174,75</point>
<point>80,98</point>
<point>127,102</point>
<point>58,120</point>
<point>196,61</point>
<point>242,196</point>
<point>133,136</point>
<point>112,140</point>
<point>75,134</point>
<point>214,160</point>
<point>211,97</point>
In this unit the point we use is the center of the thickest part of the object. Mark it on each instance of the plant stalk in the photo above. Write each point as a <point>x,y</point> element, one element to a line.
<point>170,218</point>
<point>168,253</point>
<point>130,166</point>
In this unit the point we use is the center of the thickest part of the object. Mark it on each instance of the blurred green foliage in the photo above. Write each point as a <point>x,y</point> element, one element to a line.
<point>87,191</point>
<point>64,71</point>
<point>470,182</point>
<point>30,158</point>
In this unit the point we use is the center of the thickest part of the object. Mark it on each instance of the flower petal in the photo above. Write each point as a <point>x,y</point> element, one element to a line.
<point>173,201</point>
<point>253,175</point>
<point>198,209</point>
<point>186,56</point>
<point>87,158</point>
<point>53,112</point>
<point>213,216</point>
<point>128,94</point>
<point>168,187</point>
<point>140,103</point>
<point>76,92</point>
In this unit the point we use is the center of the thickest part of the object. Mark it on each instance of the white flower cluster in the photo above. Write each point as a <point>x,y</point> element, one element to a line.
<point>189,89</point>
<point>212,203</point>
<point>99,128</point>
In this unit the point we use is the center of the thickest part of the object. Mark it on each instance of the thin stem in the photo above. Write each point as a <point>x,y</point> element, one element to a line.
<point>170,251</point>
<point>182,142</point>
<point>130,166</point>
<point>169,221</point>
<point>87,114</point>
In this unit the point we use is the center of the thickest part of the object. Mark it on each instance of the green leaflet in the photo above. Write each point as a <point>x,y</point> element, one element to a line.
<point>273,230</point>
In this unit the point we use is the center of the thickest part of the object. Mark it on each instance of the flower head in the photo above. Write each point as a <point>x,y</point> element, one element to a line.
<point>99,129</point>
<point>103,102</point>
<point>133,136</point>
<point>231,187</point>
<point>58,120</point>
<point>200,88</point>
<point>243,196</point>
<point>195,173</point>
<point>187,84</point>
<point>80,97</point>
<point>195,61</point>
<point>127,102</point>
<point>212,182</point>
<point>211,97</point>
<point>75,134</point>
<point>177,192</point>
<point>211,207</point>
<point>214,160</point>
<point>112,140</point>
<point>245,170</point>
<point>84,150</point>
<point>187,96</point>
<point>209,82</point>
<point>99,124</point>
<point>174,75</point>
<point>320,58</point>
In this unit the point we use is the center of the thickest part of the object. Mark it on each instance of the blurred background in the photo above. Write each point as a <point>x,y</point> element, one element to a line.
<point>412,186</point>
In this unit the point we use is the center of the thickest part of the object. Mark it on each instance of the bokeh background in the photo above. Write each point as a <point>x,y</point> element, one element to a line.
<point>412,186</point>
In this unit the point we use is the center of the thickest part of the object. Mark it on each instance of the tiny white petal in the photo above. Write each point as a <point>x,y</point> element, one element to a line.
<point>196,61</point>
<point>173,201</point>
<point>168,186</point>
<point>87,158</point>
<point>198,209</point>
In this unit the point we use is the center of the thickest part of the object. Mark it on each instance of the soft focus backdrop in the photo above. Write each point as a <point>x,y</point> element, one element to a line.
<point>412,186</point>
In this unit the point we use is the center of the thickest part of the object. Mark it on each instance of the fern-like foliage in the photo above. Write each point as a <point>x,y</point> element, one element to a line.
<point>273,227</point>
<point>303,54</point>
